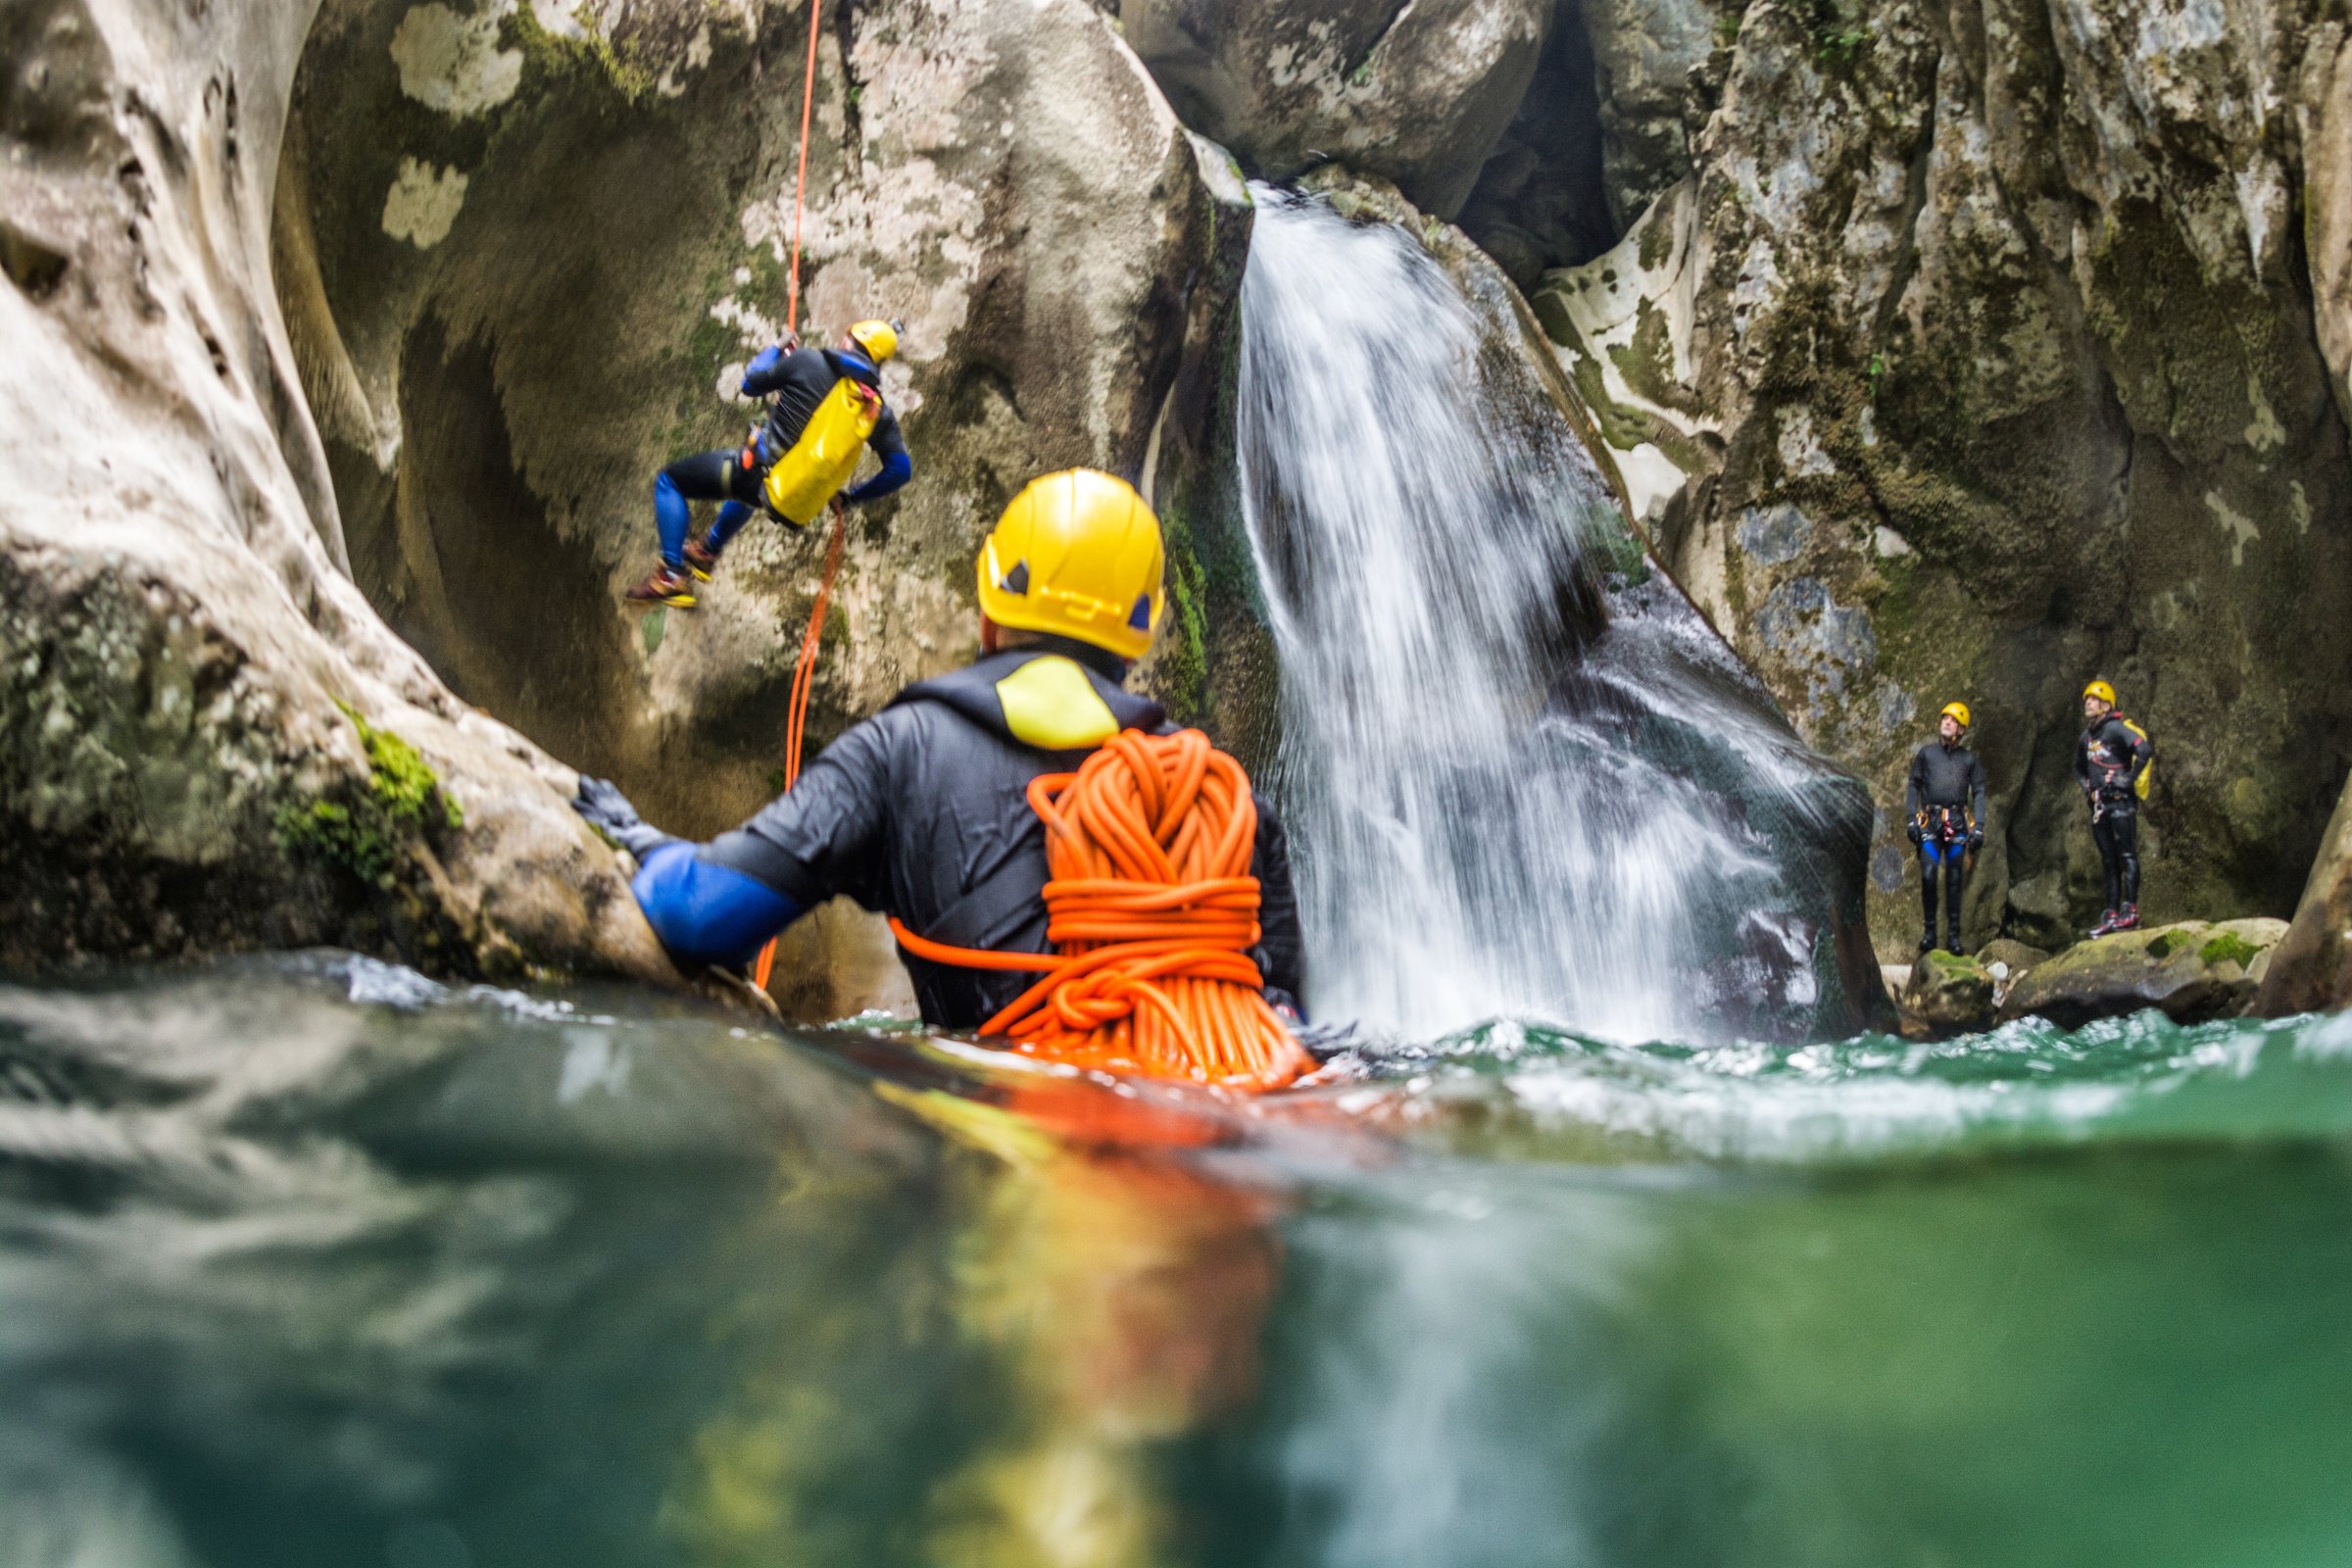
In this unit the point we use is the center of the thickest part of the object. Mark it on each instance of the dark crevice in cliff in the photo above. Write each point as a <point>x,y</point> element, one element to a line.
<point>1540,201</point>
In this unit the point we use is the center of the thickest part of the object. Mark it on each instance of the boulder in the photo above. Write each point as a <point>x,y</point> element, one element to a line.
<point>1416,94</point>
<point>2311,969</point>
<point>2192,970</point>
<point>2007,959</point>
<point>1947,994</point>
<point>1973,350</point>
<point>211,741</point>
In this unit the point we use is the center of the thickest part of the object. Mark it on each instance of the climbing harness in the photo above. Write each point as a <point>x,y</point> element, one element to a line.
<point>796,723</point>
<point>1152,913</point>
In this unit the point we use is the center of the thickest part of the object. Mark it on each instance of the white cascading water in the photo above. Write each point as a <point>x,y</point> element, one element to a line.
<point>1470,843</point>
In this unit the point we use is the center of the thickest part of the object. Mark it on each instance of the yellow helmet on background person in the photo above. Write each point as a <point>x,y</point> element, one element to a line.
<point>879,339</point>
<point>1076,554</point>
<point>1958,711</point>
<point>2102,691</point>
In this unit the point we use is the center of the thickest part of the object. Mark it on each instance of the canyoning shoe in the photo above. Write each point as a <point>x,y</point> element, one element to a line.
<point>2105,928</point>
<point>1926,944</point>
<point>699,560</point>
<point>2127,918</point>
<point>665,587</point>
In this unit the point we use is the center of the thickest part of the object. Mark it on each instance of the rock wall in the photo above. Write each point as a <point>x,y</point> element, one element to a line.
<point>1416,93</point>
<point>210,740</point>
<point>1973,350</point>
<point>542,258</point>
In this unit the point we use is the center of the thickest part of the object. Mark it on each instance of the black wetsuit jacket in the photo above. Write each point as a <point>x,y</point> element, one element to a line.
<point>798,382</point>
<point>2109,759</point>
<point>921,812</point>
<point>1945,777</point>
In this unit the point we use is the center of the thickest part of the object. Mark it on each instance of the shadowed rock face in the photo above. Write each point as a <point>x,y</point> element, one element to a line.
<point>541,262</point>
<point>210,740</point>
<point>1974,352</point>
<point>516,266</point>
<point>1416,93</point>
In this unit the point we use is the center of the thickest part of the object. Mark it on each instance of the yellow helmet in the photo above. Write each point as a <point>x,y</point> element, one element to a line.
<point>2102,691</point>
<point>1958,711</point>
<point>1077,553</point>
<point>879,339</point>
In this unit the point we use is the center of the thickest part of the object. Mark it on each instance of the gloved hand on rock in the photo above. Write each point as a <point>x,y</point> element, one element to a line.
<point>601,802</point>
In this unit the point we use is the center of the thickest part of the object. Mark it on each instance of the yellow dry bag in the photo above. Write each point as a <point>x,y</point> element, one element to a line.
<point>822,460</point>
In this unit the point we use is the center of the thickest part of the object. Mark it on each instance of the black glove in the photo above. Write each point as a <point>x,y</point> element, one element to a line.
<point>1975,837</point>
<point>1918,834</point>
<point>601,802</point>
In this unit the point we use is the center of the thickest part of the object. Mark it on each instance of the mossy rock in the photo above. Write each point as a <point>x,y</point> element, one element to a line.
<point>1947,994</point>
<point>2193,971</point>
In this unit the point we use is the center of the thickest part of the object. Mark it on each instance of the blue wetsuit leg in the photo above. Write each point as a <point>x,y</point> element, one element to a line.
<point>731,519</point>
<point>705,913</point>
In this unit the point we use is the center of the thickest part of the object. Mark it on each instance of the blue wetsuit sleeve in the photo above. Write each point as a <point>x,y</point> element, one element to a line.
<point>897,470</point>
<point>757,375</point>
<point>706,913</point>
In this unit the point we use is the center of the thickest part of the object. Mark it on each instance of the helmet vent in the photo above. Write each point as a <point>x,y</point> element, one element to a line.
<point>1017,581</point>
<point>1141,617</point>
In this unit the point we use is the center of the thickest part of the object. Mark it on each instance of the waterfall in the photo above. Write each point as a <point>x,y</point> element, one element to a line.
<point>1523,777</point>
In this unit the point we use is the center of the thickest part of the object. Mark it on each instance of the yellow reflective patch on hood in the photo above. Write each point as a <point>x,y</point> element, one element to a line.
<point>1050,704</point>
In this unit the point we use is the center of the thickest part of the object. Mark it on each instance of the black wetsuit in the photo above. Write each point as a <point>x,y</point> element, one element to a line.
<point>1946,804</point>
<point>2109,759</point>
<point>921,812</point>
<point>798,382</point>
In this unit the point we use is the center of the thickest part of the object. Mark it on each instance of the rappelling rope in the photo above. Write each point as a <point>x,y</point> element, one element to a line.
<point>797,723</point>
<point>1152,911</point>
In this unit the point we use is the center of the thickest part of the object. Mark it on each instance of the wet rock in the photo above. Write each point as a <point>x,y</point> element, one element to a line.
<point>2311,968</point>
<point>1947,994</point>
<point>1416,95</point>
<point>210,739</point>
<point>2193,970</point>
<point>2014,308</point>
<point>2009,958</point>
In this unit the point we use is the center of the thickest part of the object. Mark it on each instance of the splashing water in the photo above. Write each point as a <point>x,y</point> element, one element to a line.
<point>1513,793</point>
<point>315,1261</point>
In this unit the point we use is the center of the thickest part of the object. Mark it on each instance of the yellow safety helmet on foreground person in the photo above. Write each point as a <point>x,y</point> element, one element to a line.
<point>1958,711</point>
<point>2102,691</point>
<point>879,339</point>
<point>1076,554</point>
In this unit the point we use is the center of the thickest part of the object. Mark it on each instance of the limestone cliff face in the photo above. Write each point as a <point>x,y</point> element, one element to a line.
<point>524,266</point>
<point>521,253</point>
<point>1975,350</point>
<point>210,740</point>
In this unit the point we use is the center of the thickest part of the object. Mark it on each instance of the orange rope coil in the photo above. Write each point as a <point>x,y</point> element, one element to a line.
<point>1151,911</point>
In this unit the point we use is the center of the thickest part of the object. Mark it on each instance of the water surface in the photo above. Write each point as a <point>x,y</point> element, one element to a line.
<point>314,1263</point>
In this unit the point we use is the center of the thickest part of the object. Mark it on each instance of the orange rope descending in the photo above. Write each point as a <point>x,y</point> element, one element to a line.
<point>1151,911</point>
<point>796,723</point>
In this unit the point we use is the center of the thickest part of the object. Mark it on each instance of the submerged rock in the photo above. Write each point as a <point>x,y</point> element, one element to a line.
<point>2192,970</point>
<point>1947,994</point>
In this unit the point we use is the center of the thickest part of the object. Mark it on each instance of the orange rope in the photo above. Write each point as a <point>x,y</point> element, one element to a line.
<point>795,725</point>
<point>800,186</point>
<point>1151,911</point>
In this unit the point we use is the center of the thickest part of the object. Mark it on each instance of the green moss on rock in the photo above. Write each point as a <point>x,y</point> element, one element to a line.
<point>363,831</point>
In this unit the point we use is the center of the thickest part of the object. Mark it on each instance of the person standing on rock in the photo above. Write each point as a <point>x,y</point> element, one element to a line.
<point>825,406</point>
<point>1945,800</point>
<point>2110,763</point>
<point>922,811</point>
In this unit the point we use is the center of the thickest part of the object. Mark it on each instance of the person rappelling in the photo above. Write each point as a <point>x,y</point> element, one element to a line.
<point>1170,898</point>
<point>825,406</point>
<point>1945,801</point>
<point>2112,761</point>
